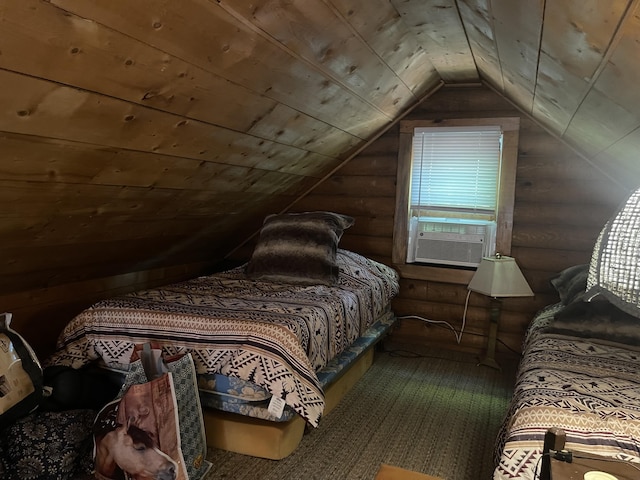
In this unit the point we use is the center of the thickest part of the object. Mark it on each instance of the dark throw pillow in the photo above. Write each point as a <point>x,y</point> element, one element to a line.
<point>598,320</point>
<point>571,283</point>
<point>299,248</point>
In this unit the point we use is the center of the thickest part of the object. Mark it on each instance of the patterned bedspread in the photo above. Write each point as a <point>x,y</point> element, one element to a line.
<point>590,389</point>
<point>274,335</point>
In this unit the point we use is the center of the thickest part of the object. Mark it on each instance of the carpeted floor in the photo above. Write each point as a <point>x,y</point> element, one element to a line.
<point>437,413</point>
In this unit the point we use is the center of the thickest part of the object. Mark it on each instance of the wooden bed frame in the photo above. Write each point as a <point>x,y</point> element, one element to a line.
<point>277,440</point>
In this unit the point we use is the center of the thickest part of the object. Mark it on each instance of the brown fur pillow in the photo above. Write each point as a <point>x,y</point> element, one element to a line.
<point>299,248</point>
<point>598,320</point>
<point>571,283</point>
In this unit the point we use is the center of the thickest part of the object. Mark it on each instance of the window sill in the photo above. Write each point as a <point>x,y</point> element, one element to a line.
<point>434,274</point>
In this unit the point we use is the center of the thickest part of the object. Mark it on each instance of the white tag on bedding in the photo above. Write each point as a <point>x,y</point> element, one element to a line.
<point>276,406</point>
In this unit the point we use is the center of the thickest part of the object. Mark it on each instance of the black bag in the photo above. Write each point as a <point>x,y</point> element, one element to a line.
<point>21,384</point>
<point>90,387</point>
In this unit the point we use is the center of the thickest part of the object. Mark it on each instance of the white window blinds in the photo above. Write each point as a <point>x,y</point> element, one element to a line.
<point>456,168</point>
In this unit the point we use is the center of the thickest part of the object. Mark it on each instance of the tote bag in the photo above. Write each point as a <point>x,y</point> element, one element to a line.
<point>167,409</point>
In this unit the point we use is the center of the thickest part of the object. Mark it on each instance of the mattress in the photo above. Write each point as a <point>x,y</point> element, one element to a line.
<point>274,336</point>
<point>234,395</point>
<point>587,387</point>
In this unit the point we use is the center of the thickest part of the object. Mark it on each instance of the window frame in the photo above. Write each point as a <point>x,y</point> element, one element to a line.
<point>506,195</point>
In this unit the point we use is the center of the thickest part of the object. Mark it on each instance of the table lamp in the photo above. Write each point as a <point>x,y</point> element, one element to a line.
<point>498,277</point>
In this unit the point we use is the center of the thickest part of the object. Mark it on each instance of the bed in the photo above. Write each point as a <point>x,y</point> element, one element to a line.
<point>287,325</point>
<point>587,387</point>
<point>580,367</point>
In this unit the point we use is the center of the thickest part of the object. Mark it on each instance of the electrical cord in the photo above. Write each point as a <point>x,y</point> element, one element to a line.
<point>564,455</point>
<point>458,335</point>
<point>536,474</point>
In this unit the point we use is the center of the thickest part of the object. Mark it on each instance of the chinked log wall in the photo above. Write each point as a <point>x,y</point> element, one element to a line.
<point>561,202</point>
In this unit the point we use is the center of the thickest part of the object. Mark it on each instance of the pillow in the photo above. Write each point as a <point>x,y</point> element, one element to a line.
<point>598,320</point>
<point>571,283</point>
<point>299,248</point>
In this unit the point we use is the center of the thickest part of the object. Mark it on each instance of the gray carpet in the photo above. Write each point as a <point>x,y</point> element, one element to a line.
<point>437,413</point>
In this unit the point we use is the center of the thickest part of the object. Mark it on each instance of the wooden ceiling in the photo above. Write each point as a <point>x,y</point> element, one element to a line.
<point>572,65</point>
<point>187,121</point>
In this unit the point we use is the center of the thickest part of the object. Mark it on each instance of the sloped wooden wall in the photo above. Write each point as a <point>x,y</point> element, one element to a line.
<point>561,203</point>
<point>142,141</point>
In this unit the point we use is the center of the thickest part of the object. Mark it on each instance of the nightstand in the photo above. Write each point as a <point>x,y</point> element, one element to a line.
<point>581,462</point>
<point>586,462</point>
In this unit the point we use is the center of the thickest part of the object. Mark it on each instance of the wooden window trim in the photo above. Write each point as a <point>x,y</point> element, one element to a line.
<point>506,195</point>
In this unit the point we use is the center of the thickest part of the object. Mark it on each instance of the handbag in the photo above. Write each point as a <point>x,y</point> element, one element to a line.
<point>21,384</point>
<point>159,406</point>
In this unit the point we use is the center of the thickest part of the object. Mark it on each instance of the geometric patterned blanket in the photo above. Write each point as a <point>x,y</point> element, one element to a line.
<point>588,388</point>
<point>274,335</point>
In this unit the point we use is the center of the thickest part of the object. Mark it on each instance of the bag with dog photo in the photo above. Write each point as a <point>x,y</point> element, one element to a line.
<point>155,426</point>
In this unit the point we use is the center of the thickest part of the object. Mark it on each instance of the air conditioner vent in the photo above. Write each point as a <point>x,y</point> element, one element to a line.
<point>451,242</point>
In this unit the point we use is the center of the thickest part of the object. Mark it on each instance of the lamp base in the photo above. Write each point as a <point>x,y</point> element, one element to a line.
<point>489,362</point>
<point>489,357</point>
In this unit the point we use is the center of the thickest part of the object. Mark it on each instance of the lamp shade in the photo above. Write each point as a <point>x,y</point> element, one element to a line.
<point>616,255</point>
<point>500,276</point>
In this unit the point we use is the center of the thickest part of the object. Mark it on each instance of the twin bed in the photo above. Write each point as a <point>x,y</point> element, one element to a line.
<point>588,387</point>
<point>580,367</point>
<point>288,326</point>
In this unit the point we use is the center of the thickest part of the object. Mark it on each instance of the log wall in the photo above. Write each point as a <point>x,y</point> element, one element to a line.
<point>561,202</point>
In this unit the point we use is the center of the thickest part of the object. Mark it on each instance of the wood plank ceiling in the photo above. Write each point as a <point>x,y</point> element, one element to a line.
<point>120,119</point>
<point>571,65</point>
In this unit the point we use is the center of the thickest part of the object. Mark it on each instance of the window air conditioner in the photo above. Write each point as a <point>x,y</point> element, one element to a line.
<point>447,241</point>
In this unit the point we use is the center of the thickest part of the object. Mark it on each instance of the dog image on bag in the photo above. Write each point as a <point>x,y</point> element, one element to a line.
<point>126,449</point>
<point>150,412</point>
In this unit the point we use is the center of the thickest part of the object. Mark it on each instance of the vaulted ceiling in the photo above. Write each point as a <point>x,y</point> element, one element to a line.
<point>571,65</point>
<point>313,78</point>
<point>157,126</point>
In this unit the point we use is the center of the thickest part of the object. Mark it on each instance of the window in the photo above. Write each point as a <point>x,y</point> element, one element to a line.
<point>460,169</point>
<point>455,171</point>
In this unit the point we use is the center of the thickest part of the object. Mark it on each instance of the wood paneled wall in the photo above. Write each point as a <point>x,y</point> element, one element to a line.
<point>561,203</point>
<point>142,141</point>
